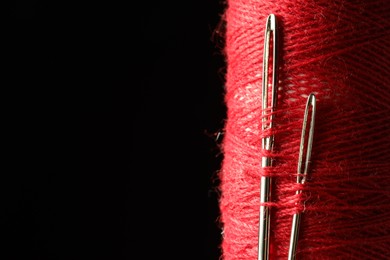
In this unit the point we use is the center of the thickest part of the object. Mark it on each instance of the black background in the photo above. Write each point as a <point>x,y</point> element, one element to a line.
<point>130,168</point>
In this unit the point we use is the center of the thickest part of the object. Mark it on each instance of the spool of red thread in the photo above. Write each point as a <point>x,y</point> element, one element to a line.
<point>339,50</point>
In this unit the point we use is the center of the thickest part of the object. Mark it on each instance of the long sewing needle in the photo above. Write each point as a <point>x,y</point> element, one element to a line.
<point>267,142</point>
<point>302,169</point>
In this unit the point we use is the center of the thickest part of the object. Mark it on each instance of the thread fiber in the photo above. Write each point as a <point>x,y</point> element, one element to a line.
<point>338,49</point>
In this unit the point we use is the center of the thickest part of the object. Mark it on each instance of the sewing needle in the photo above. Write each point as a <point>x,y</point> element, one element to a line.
<point>302,169</point>
<point>267,142</point>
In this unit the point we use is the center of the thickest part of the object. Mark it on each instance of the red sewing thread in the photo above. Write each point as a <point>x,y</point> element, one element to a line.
<point>340,50</point>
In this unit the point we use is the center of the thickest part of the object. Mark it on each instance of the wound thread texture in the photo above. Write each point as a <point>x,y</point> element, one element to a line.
<point>340,51</point>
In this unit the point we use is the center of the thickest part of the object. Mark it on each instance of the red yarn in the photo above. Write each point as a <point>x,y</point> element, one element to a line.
<point>340,50</point>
